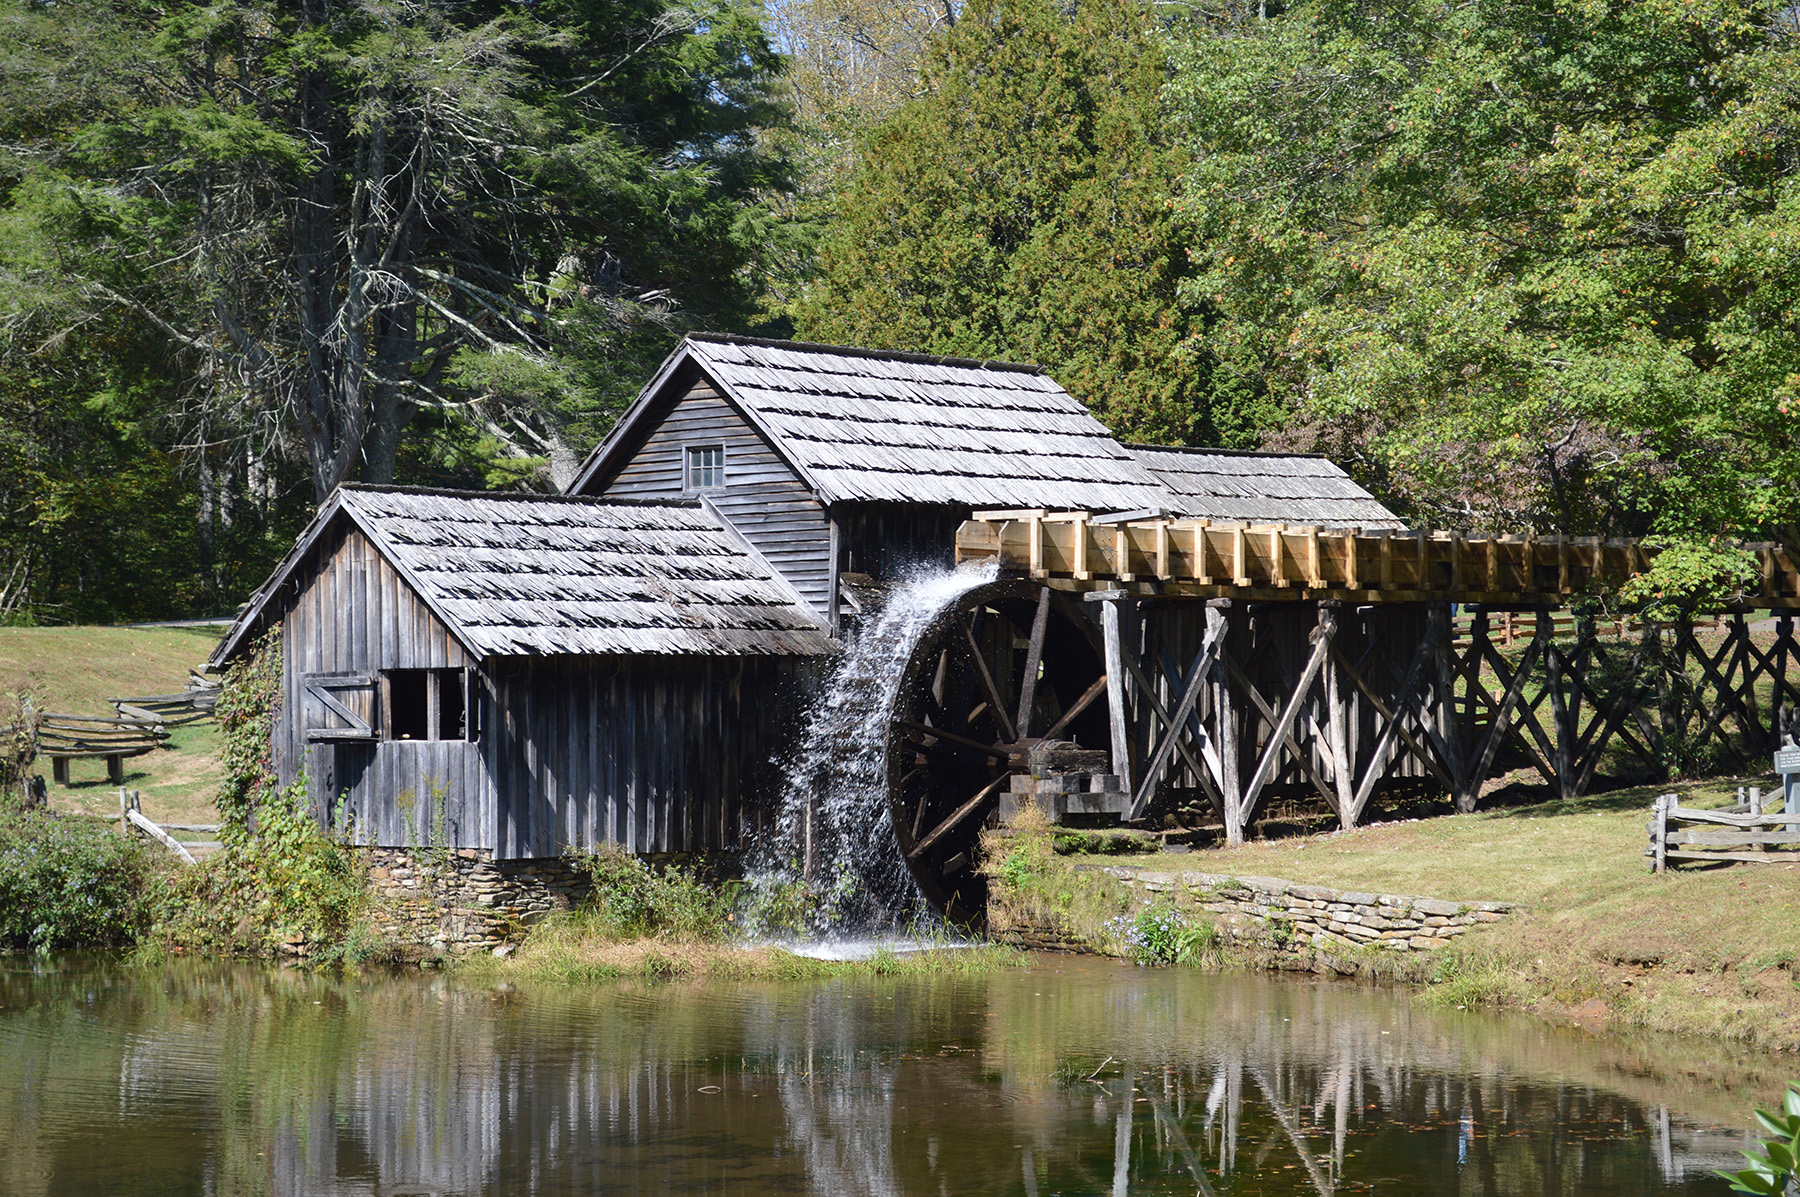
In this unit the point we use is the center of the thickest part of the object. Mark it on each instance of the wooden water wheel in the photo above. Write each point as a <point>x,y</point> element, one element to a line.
<point>1010,665</point>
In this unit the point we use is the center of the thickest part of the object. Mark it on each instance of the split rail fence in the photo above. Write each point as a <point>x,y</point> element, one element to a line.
<point>1745,832</point>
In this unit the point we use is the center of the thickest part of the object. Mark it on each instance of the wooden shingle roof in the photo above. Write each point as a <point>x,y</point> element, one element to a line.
<point>514,575</point>
<point>863,425</point>
<point>1262,488</point>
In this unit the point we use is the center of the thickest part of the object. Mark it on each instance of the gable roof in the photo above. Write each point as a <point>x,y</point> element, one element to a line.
<point>525,575</point>
<point>1262,488</point>
<point>864,425</point>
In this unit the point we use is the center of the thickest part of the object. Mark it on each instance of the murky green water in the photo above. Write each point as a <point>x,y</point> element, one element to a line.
<point>1073,1077</point>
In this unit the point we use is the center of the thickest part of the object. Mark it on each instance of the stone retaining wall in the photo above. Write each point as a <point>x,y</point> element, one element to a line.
<point>1289,915</point>
<point>455,902</point>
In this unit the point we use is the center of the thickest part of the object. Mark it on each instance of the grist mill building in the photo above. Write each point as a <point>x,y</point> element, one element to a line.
<point>521,674</point>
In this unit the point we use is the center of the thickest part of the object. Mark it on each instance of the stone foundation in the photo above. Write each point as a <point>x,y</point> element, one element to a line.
<point>461,901</point>
<point>1296,917</point>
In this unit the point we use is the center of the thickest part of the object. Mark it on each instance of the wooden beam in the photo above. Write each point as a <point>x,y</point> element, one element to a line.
<point>1007,731</point>
<point>1115,693</point>
<point>1322,639</point>
<point>1081,704</point>
<point>938,733</point>
<point>1190,694</point>
<point>1034,657</point>
<point>956,817</point>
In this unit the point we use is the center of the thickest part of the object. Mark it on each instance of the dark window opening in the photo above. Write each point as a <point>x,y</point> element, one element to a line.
<point>427,704</point>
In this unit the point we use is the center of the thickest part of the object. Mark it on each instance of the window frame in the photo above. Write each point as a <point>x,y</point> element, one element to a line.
<point>692,470</point>
<point>435,679</point>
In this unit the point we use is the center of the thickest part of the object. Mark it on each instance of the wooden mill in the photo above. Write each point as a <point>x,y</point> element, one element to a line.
<point>518,675</point>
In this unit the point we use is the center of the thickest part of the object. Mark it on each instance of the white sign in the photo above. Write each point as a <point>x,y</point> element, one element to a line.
<point>1787,759</point>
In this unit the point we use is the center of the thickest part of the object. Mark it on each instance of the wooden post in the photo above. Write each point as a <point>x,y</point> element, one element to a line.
<point>1337,718</point>
<point>1444,700</point>
<point>1115,691</point>
<point>1659,832</point>
<point>1564,763</point>
<point>1474,763</point>
<point>1225,711</point>
<point>1034,655</point>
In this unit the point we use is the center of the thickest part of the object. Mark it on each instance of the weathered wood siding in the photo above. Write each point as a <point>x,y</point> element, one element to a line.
<point>887,539</point>
<point>352,613</point>
<point>768,504</point>
<point>654,754</point>
<point>658,754</point>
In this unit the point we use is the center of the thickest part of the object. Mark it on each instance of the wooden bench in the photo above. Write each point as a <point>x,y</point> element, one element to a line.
<point>65,738</point>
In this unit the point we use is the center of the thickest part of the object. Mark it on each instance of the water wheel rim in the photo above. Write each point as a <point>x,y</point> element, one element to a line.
<point>964,901</point>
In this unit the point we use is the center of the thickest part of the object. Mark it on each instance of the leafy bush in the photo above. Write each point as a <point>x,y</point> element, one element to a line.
<point>67,883</point>
<point>280,874</point>
<point>1163,935</point>
<point>1776,1169</point>
<point>630,900</point>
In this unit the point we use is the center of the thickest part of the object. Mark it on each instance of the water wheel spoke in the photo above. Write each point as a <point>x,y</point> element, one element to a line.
<point>986,678</point>
<point>946,737</point>
<point>1034,655</point>
<point>1081,704</point>
<point>956,817</point>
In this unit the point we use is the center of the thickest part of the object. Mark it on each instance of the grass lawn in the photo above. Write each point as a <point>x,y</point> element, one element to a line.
<point>1710,949</point>
<point>75,670</point>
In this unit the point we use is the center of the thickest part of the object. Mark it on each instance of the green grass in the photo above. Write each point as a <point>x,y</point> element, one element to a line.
<point>75,670</point>
<point>577,949</point>
<point>1711,949</point>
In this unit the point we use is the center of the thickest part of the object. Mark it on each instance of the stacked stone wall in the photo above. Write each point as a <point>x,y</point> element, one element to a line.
<point>461,901</point>
<point>1297,916</point>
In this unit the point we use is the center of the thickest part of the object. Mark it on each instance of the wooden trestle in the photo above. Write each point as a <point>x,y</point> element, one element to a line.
<point>1245,661</point>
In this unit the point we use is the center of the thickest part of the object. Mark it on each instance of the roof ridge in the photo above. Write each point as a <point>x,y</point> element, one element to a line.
<point>448,492</point>
<point>1223,452</point>
<point>890,355</point>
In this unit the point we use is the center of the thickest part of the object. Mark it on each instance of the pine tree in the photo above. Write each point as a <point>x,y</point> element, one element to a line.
<point>1020,208</point>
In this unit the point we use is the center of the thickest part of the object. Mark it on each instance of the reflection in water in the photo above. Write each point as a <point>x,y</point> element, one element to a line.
<point>1074,1077</point>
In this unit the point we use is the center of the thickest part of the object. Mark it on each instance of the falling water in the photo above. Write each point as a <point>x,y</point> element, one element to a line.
<point>834,826</point>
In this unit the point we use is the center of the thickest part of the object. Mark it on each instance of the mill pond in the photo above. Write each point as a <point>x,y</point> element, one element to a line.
<point>1072,1075</point>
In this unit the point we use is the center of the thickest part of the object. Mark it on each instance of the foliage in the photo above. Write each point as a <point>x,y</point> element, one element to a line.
<point>68,883</point>
<point>1776,1169</point>
<point>323,218</point>
<point>19,723</point>
<point>1020,208</point>
<point>1165,935</point>
<point>1521,265</point>
<point>1688,576</point>
<point>249,699</point>
<point>280,874</point>
<point>629,899</point>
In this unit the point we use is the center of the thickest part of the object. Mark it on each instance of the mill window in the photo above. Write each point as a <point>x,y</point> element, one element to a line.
<point>427,704</point>
<point>705,467</point>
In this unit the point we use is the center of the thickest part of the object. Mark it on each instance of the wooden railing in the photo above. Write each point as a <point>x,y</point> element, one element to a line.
<point>1745,832</point>
<point>1284,561</point>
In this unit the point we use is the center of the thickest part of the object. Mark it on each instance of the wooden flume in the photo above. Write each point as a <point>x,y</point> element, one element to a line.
<point>1241,661</point>
<point>1151,554</point>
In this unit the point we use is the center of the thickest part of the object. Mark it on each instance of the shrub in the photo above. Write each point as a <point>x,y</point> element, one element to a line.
<point>1163,935</point>
<point>629,899</point>
<point>280,874</point>
<point>1775,1170</point>
<point>67,883</point>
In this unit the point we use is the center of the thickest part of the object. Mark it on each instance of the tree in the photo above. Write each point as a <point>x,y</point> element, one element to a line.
<point>340,216</point>
<point>1526,264</point>
<point>1021,208</point>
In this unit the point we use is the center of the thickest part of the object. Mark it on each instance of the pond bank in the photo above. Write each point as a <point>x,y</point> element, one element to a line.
<point>1593,937</point>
